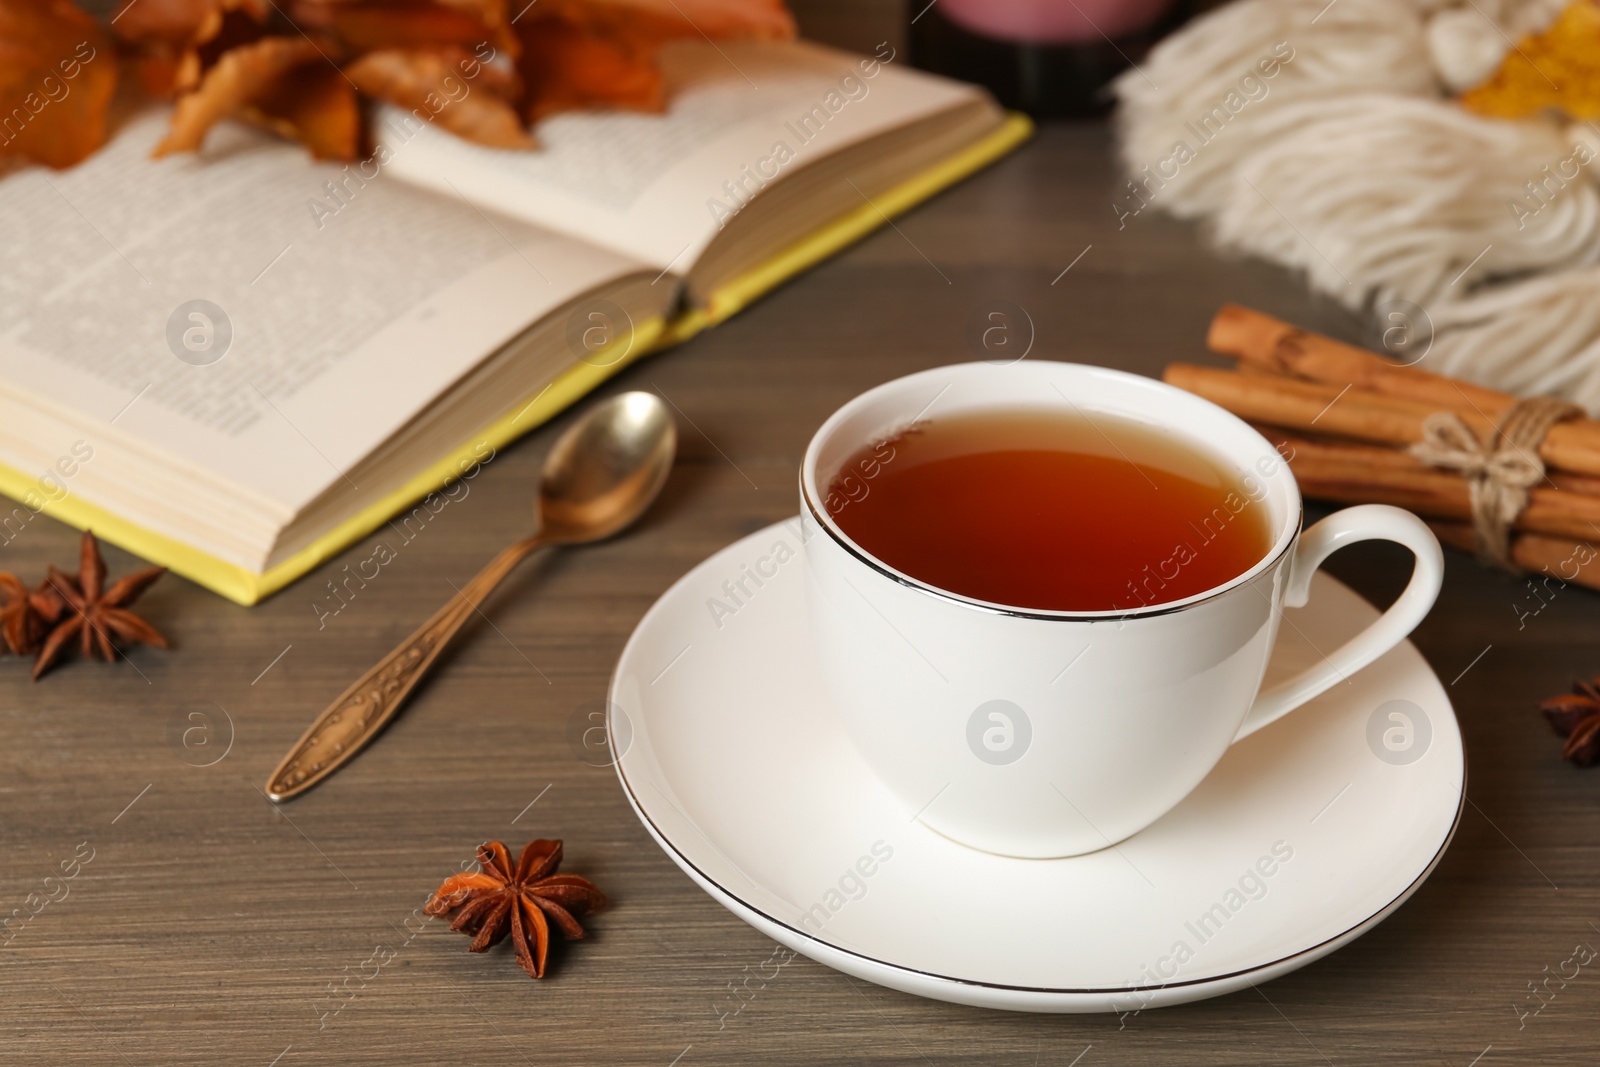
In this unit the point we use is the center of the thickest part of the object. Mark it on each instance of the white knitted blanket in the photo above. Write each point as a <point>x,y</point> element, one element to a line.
<point>1324,136</point>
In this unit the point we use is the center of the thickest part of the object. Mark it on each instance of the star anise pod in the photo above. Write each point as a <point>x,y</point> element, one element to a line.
<point>94,613</point>
<point>26,615</point>
<point>1576,717</point>
<point>524,901</point>
<point>20,623</point>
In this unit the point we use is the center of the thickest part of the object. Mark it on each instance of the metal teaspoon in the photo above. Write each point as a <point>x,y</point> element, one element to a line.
<point>600,476</point>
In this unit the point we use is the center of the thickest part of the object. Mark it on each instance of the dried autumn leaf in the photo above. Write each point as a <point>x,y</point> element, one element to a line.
<point>665,19</point>
<point>242,76</point>
<point>495,18</point>
<point>167,37</point>
<point>432,84</point>
<point>316,107</point>
<point>566,68</point>
<point>369,25</point>
<point>501,79</point>
<point>1558,70</point>
<point>604,53</point>
<point>163,73</point>
<point>57,76</point>
<point>182,22</point>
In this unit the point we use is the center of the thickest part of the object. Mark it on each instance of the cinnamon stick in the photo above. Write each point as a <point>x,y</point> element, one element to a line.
<point>1572,561</point>
<point>1399,457</point>
<point>1264,342</point>
<point>1574,483</point>
<point>1348,411</point>
<point>1363,474</point>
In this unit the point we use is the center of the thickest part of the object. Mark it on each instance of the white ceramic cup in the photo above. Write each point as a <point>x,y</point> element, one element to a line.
<point>1053,733</point>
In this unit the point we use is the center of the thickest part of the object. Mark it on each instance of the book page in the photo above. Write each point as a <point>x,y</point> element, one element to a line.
<point>254,318</point>
<point>660,187</point>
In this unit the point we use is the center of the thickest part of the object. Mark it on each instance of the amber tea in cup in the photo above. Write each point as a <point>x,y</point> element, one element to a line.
<point>1051,510</point>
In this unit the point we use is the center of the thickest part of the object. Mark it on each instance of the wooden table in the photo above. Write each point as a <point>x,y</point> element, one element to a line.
<point>211,927</point>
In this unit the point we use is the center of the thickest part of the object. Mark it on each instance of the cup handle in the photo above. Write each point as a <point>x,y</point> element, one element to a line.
<point>1365,522</point>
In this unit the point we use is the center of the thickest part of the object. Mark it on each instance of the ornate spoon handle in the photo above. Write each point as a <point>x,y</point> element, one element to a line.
<point>361,711</point>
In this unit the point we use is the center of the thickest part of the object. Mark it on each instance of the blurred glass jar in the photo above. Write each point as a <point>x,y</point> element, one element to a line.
<point>1053,21</point>
<point>1051,58</point>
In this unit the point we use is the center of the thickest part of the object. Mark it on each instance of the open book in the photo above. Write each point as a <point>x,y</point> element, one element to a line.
<point>237,364</point>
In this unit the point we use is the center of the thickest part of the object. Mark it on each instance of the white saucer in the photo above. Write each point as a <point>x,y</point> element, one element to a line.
<point>733,758</point>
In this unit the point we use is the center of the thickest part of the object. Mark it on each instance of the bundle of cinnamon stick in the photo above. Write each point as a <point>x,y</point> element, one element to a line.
<point>1345,418</point>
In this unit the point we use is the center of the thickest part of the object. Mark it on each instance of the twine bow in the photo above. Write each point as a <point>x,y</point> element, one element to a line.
<point>1498,472</point>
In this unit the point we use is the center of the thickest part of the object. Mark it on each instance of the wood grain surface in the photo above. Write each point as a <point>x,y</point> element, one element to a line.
<point>211,927</point>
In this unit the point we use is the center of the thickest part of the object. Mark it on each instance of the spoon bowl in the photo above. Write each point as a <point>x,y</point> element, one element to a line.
<point>606,469</point>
